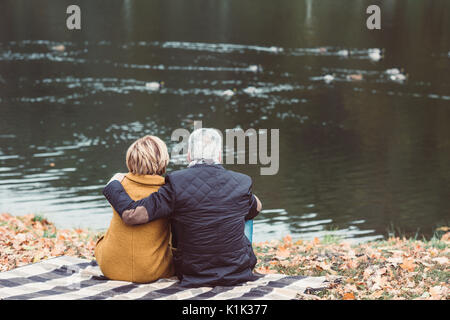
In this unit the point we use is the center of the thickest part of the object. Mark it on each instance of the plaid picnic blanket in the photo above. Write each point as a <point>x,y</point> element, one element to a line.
<point>73,278</point>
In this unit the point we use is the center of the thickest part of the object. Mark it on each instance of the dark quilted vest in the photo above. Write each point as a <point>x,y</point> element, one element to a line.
<point>208,226</point>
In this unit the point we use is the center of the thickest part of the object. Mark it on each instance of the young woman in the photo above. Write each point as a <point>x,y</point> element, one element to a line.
<point>139,253</point>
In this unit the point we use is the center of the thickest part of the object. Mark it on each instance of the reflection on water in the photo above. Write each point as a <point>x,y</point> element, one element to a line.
<point>363,118</point>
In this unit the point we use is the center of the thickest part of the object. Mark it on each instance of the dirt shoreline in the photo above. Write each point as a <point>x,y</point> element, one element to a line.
<point>396,268</point>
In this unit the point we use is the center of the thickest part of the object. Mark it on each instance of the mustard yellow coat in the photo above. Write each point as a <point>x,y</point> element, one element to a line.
<point>136,253</point>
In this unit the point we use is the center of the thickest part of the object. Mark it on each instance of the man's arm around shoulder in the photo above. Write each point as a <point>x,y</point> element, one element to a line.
<point>156,206</point>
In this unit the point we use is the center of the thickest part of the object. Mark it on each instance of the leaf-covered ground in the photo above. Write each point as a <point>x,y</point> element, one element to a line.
<point>393,269</point>
<point>27,239</point>
<point>397,268</point>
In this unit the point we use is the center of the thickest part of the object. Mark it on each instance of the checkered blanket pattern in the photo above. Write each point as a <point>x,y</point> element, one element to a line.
<point>67,278</point>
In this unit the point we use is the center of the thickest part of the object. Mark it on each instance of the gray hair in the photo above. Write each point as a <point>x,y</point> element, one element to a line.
<point>205,144</point>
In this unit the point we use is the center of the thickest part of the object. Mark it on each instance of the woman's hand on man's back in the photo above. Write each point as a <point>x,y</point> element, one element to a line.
<point>118,176</point>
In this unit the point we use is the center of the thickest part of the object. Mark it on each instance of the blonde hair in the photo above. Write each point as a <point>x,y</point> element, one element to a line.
<point>147,155</point>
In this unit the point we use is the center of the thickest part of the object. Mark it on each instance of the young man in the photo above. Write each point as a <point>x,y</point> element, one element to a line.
<point>208,206</point>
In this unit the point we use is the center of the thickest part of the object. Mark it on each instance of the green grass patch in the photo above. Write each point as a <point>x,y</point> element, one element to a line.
<point>38,218</point>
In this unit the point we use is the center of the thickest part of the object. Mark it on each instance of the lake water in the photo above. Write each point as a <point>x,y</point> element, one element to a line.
<point>356,155</point>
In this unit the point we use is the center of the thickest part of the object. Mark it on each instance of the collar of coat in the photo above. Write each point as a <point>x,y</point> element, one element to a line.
<point>203,161</point>
<point>151,180</point>
<point>196,164</point>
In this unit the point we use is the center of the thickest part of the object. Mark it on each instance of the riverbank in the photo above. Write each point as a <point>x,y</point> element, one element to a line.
<point>396,268</point>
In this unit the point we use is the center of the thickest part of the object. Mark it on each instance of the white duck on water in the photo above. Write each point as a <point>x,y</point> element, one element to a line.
<point>255,68</point>
<point>276,49</point>
<point>329,78</point>
<point>375,54</point>
<point>154,85</point>
<point>252,90</point>
<point>400,77</point>
<point>343,53</point>
<point>394,71</point>
<point>229,93</point>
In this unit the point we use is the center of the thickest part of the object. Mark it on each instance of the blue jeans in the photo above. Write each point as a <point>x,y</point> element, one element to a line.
<point>248,230</point>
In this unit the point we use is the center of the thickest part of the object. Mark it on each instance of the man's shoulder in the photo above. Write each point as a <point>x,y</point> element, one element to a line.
<point>193,171</point>
<point>181,174</point>
<point>240,176</point>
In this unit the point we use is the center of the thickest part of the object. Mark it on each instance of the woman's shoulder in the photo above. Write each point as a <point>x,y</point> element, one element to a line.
<point>149,180</point>
<point>141,186</point>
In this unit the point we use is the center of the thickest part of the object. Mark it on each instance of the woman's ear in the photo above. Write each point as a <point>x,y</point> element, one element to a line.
<point>188,157</point>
